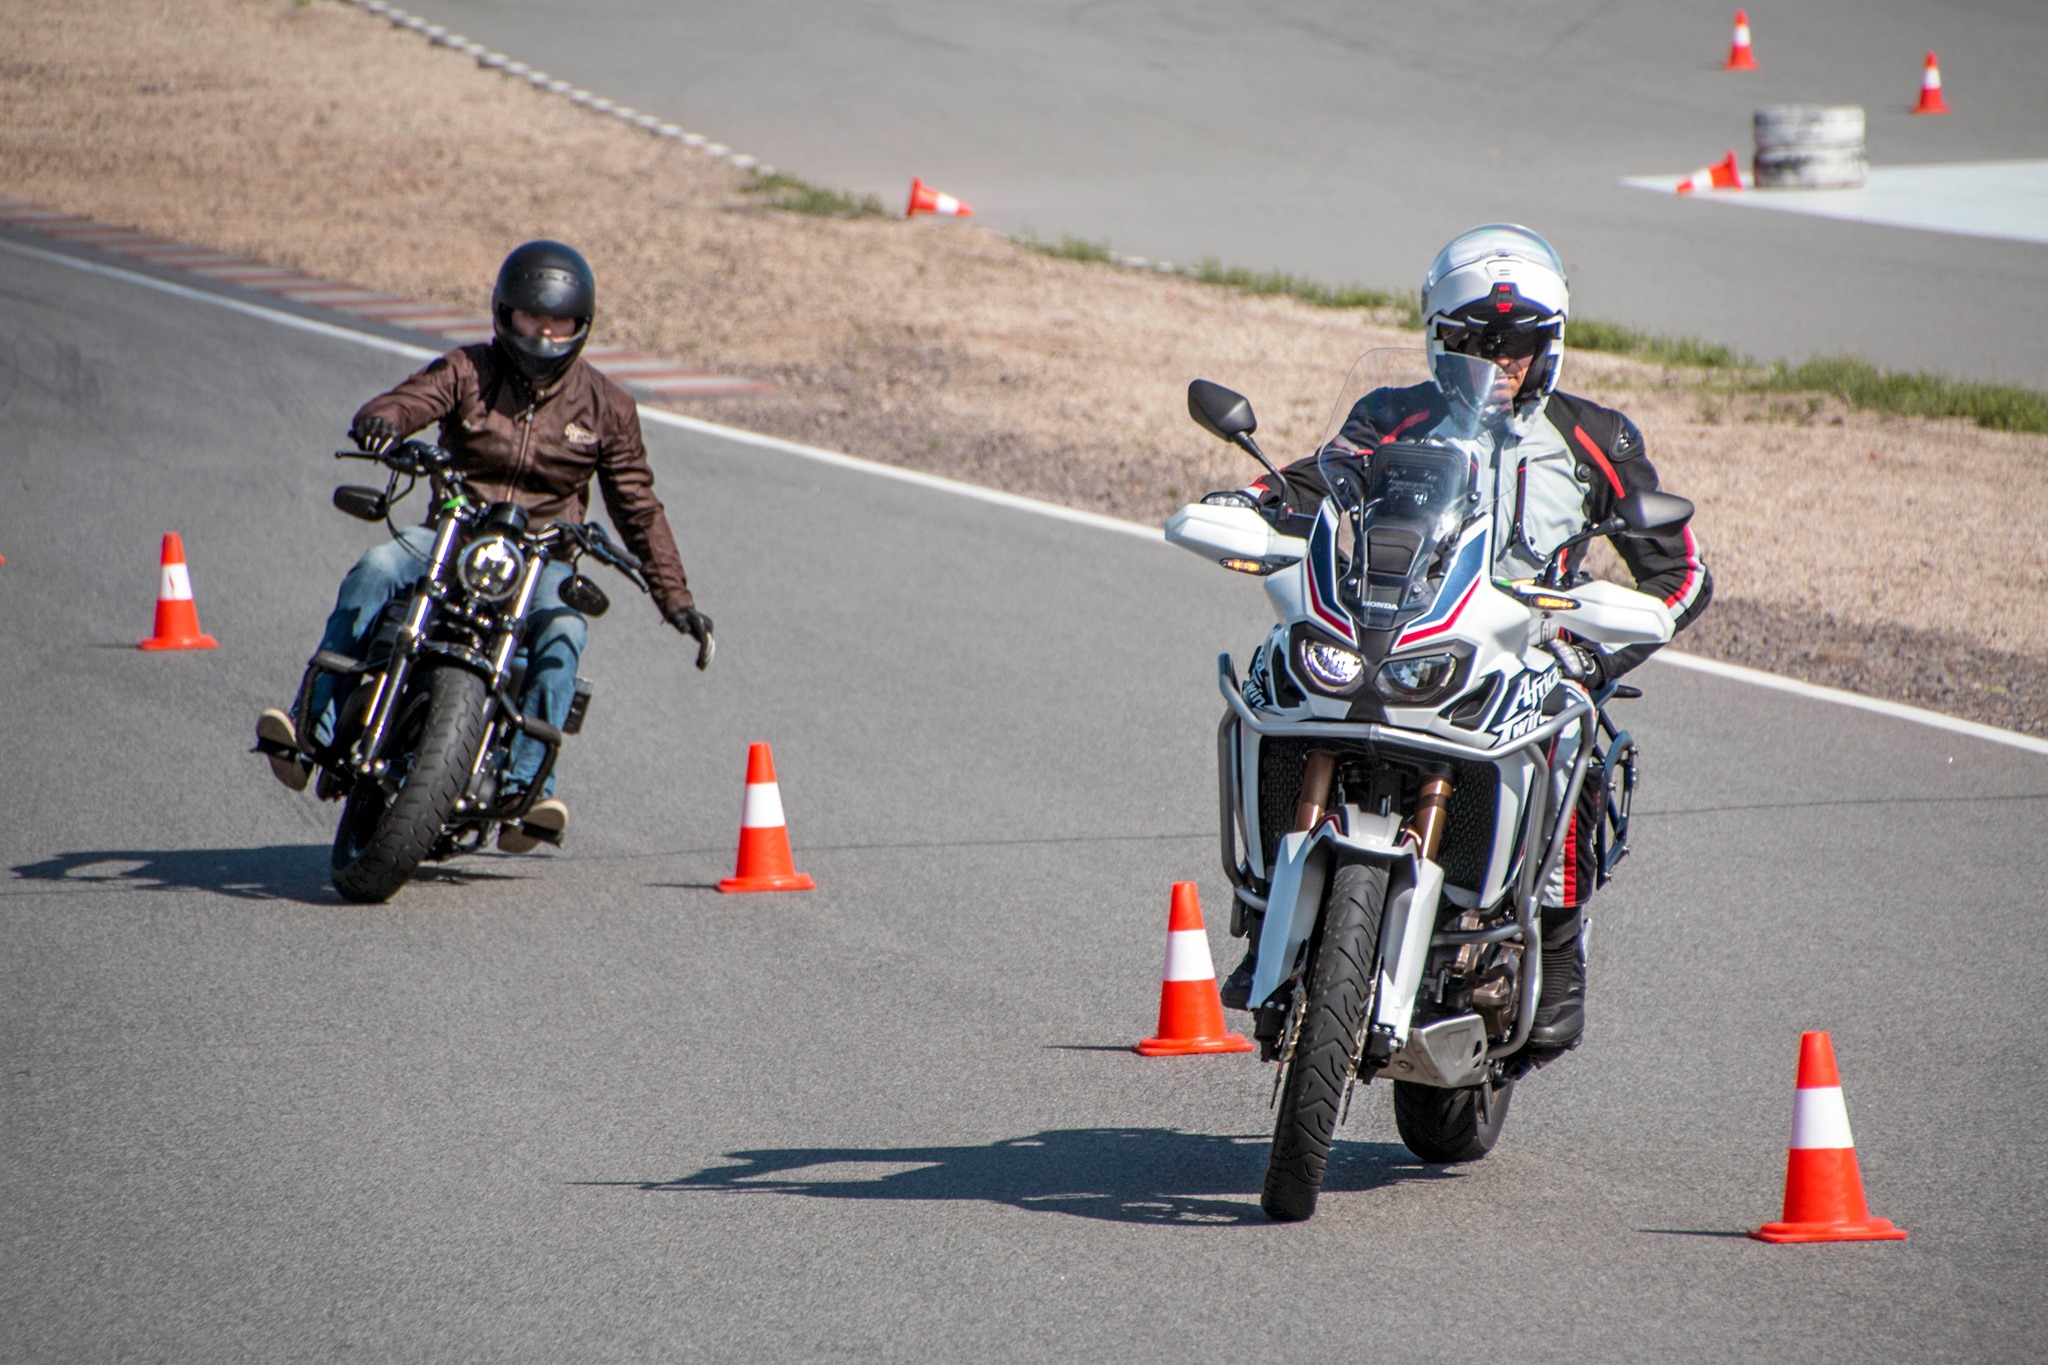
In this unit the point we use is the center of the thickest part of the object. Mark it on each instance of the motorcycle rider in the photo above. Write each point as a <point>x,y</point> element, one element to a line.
<point>1499,292</point>
<point>527,420</point>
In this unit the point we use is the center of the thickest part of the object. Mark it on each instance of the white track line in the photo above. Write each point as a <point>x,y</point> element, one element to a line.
<point>1733,672</point>
<point>1815,692</point>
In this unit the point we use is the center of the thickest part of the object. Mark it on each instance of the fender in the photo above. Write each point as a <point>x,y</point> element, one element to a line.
<point>1301,870</point>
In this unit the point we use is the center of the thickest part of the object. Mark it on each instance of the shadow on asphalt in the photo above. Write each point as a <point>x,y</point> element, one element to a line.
<point>287,872</point>
<point>1120,1175</point>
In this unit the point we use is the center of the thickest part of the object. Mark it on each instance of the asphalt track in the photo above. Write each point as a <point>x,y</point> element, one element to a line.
<point>581,1106</point>
<point>1346,142</point>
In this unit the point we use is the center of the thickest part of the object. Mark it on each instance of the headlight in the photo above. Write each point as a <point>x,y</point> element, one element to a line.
<point>490,568</point>
<point>1332,668</point>
<point>1418,679</point>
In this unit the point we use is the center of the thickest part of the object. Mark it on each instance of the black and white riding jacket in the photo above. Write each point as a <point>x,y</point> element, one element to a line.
<point>1572,463</point>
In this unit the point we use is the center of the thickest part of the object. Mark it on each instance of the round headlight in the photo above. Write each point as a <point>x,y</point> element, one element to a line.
<point>1332,668</point>
<point>1418,679</point>
<point>490,568</point>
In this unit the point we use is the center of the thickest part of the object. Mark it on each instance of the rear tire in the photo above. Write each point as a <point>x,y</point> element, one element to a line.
<point>1340,988</point>
<point>1447,1126</point>
<point>381,842</point>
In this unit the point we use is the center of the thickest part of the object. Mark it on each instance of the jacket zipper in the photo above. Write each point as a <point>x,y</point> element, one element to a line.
<point>525,439</point>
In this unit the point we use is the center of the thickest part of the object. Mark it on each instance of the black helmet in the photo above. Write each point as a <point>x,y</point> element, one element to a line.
<point>549,278</point>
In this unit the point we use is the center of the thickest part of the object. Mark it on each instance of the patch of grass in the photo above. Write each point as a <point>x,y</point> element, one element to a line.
<point>1068,248</point>
<point>791,195</point>
<point>1616,339</point>
<point>1309,291</point>
<point>1857,382</point>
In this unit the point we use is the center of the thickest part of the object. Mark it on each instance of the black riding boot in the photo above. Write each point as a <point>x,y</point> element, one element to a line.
<point>1561,1009</point>
<point>1236,989</point>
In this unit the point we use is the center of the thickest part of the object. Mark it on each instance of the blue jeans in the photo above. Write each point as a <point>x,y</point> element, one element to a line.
<point>555,635</point>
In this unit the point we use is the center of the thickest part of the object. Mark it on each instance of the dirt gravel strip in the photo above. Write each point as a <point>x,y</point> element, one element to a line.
<point>1899,558</point>
<point>645,376</point>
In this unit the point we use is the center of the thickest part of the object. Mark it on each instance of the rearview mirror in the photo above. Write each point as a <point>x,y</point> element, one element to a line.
<point>580,594</point>
<point>364,504</point>
<point>1649,513</point>
<point>1220,412</point>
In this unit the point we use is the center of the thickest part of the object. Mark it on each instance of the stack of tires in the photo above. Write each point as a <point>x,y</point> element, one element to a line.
<point>1810,147</point>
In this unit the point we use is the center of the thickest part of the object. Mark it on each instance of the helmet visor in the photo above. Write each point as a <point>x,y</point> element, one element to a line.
<point>1509,341</point>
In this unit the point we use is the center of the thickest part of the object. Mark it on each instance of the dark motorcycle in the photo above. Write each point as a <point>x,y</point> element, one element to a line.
<point>423,734</point>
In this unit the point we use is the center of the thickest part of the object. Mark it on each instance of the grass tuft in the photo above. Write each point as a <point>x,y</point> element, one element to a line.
<point>1309,291</point>
<point>791,195</point>
<point>1615,339</point>
<point>1857,382</point>
<point>1068,248</point>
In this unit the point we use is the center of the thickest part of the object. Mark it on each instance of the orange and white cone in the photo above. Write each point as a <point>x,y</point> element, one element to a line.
<point>1931,101</point>
<point>1823,1188</point>
<point>1190,1008</point>
<point>1740,58</point>
<point>764,861</point>
<point>177,620</point>
<point>925,199</point>
<point>1725,175</point>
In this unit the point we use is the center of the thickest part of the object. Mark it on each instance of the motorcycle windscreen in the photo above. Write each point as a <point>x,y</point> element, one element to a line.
<point>1417,499</point>
<point>1433,432</point>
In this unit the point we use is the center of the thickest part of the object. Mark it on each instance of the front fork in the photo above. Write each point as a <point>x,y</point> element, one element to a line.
<point>366,757</point>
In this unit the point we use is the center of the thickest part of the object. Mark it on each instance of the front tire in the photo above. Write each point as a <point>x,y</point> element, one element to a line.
<point>1326,1049</point>
<point>1447,1126</point>
<point>383,839</point>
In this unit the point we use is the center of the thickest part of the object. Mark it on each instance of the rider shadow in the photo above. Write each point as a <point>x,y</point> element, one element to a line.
<point>286,872</point>
<point>1119,1175</point>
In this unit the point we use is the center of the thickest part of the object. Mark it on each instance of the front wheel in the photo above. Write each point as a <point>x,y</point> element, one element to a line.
<point>1326,1045</point>
<point>1444,1126</point>
<point>384,835</point>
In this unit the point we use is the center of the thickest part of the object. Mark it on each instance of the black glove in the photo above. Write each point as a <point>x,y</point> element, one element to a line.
<point>1581,663</point>
<point>697,626</point>
<point>373,435</point>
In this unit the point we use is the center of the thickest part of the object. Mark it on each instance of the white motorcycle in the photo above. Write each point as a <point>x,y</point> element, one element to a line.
<point>1400,764</point>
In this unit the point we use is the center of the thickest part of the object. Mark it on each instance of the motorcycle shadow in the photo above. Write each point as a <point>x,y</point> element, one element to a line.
<point>1120,1175</point>
<point>276,872</point>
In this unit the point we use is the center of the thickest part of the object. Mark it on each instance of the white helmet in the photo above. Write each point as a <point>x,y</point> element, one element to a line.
<point>1494,291</point>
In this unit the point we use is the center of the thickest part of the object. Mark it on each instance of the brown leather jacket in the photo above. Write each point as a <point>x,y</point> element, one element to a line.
<point>540,449</point>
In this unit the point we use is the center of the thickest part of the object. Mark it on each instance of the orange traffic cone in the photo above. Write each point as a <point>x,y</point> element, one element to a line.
<point>177,620</point>
<point>1740,58</point>
<point>1190,1009</point>
<point>1823,1189</point>
<point>925,199</point>
<point>1726,175</point>
<point>1931,101</point>
<point>764,863</point>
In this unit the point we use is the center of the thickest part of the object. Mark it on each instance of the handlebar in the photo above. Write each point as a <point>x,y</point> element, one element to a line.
<point>405,457</point>
<point>419,458</point>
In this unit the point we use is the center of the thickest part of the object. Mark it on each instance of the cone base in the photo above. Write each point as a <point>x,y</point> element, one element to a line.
<point>1934,109</point>
<point>1866,1230</point>
<point>1743,63</point>
<point>196,642</point>
<point>793,881</point>
<point>1188,1047</point>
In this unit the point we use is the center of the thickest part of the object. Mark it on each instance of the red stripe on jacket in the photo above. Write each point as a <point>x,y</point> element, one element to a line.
<point>1692,571</point>
<point>1592,450</point>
